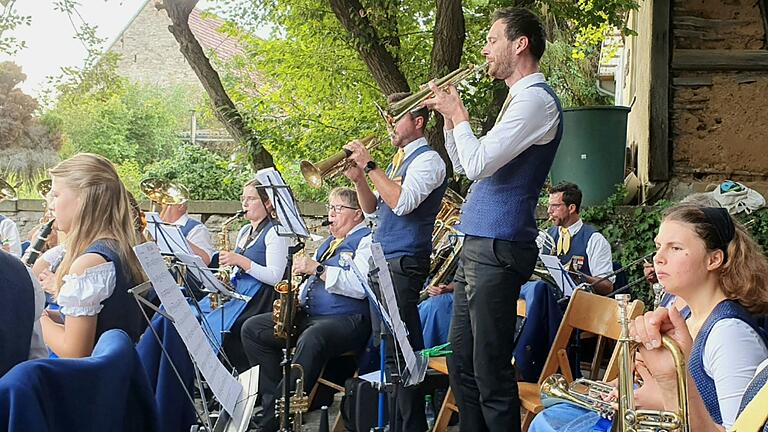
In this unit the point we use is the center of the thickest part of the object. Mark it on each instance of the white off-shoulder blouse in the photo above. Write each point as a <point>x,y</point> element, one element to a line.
<point>83,295</point>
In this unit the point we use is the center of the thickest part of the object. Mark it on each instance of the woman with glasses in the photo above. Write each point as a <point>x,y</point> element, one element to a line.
<point>333,317</point>
<point>260,257</point>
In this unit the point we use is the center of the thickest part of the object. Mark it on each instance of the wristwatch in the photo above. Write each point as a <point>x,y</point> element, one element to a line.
<point>370,166</point>
<point>319,270</point>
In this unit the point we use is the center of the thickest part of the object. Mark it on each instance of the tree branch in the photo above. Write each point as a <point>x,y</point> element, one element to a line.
<point>225,110</point>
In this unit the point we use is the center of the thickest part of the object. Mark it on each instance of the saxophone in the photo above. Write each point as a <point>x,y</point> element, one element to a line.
<point>223,244</point>
<point>282,315</point>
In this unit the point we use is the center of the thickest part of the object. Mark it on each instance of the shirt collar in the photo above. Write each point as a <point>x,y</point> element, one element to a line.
<point>525,82</point>
<point>413,145</point>
<point>182,220</point>
<point>574,229</point>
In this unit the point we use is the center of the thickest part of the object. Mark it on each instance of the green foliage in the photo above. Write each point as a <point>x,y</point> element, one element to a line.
<point>630,231</point>
<point>204,173</point>
<point>757,224</point>
<point>572,78</point>
<point>10,20</point>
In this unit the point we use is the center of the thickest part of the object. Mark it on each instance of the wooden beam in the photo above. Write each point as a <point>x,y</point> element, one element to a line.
<point>720,60</point>
<point>659,147</point>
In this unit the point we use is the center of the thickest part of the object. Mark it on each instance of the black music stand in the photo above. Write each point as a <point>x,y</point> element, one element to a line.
<point>289,224</point>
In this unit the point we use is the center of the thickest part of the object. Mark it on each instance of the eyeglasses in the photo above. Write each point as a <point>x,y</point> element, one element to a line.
<point>249,199</point>
<point>338,208</point>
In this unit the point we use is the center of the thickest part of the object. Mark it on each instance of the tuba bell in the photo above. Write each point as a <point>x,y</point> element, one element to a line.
<point>164,192</point>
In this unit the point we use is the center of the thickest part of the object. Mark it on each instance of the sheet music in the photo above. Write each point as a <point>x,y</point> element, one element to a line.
<point>287,212</point>
<point>559,274</point>
<point>224,386</point>
<point>168,237</point>
<point>388,291</point>
<point>201,272</point>
<point>368,291</point>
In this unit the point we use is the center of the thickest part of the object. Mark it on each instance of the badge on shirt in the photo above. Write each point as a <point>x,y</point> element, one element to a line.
<point>344,259</point>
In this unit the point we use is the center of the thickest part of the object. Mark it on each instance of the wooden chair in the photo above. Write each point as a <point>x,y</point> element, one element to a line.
<point>449,403</point>
<point>588,312</point>
<point>338,423</point>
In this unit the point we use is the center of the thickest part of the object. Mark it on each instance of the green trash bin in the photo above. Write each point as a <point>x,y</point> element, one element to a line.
<point>592,151</point>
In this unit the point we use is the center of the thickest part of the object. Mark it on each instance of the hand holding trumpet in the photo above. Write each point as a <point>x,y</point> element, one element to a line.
<point>447,102</point>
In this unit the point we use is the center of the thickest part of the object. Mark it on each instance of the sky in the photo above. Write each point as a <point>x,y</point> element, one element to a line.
<point>50,39</point>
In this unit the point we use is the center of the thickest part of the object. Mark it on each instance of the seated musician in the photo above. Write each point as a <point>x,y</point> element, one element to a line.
<point>260,257</point>
<point>580,247</point>
<point>91,206</point>
<point>333,317</point>
<point>20,335</point>
<point>704,257</point>
<point>196,233</point>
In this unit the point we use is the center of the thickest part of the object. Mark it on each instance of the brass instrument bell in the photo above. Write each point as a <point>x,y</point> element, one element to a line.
<point>7,192</point>
<point>334,164</point>
<point>164,192</point>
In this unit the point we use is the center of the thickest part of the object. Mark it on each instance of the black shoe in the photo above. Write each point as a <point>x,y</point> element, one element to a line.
<point>267,425</point>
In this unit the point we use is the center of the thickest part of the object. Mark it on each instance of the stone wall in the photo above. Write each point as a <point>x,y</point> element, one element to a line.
<point>27,214</point>
<point>717,112</point>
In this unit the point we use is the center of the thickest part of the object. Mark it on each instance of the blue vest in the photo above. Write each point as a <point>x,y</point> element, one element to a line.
<point>578,246</point>
<point>318,301</point>
<point>409,234</point>
<point>704,383</point>
<point>189,226</point>
<point>503,206</point>
<point>257,252</point>
<point>120,309</point>
<point>17,312</point>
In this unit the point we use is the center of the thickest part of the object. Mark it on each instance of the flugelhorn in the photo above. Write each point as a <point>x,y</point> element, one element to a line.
<point>334,164</point>
<point>397,110</point>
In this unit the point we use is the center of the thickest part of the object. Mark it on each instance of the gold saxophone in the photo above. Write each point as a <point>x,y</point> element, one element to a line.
<point>626,418</point>
<point>281,315</point>
<point>223,244</point>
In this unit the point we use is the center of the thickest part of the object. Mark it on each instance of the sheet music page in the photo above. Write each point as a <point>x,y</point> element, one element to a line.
<point>559,274</point>
<point>224,386</point>
<point>388,291</point>
<point>369,292</point>
<point>168,237</point>
<point>287,211</point>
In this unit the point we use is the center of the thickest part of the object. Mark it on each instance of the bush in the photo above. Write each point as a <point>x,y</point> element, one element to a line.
<point>204,173</point>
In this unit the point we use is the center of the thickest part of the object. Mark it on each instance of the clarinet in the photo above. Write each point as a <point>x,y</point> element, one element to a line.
<point>35,250</point>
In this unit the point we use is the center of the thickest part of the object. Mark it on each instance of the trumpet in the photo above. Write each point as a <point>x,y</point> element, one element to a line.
<point>334,164</point>
<point>397,110</point>
<point>626,418</point>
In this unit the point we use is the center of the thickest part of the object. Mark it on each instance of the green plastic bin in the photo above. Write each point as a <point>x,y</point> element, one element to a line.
<point>592,151</point>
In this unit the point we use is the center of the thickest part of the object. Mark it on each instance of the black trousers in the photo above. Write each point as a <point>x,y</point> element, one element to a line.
<point>484,315</point>
<point>408,277</point>
<point>320,339</point>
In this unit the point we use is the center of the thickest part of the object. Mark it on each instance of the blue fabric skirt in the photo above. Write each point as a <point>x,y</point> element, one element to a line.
<point>568,418</point>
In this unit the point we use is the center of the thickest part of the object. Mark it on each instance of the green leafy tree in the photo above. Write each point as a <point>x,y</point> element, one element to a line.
<point>10,20</point>
<point>206,174</point>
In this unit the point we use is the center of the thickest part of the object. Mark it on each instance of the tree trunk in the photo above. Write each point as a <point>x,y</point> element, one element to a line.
<point>225,110</point>
<point>374,54</point>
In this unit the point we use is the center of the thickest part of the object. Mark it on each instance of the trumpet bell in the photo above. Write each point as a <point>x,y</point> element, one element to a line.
<point>164,192</point>
<point>311,174</point>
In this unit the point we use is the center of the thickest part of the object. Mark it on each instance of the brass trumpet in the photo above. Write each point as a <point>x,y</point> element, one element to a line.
<point>334,164</point>
<point>397,110</point>
<point>626,418</point>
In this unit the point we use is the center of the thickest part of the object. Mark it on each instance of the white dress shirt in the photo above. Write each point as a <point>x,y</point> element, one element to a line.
<point>598,252</point>
<point>342,280</point>
<point>425,174</point>
<point>276,255</point>
<point>732,353</point>
<point>530,119</point>
<point>199,235</point>
<point>9,235</point>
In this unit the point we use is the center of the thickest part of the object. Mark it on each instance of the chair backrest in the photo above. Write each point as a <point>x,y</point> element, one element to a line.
<point>592,313</point>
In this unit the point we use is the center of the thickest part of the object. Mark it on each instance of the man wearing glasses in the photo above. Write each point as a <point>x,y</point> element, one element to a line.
<point>333,317</point>
<point>581,249</point>
<point>409,196</point>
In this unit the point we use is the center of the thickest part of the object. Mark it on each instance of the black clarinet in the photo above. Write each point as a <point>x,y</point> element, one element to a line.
<point>35,250</point>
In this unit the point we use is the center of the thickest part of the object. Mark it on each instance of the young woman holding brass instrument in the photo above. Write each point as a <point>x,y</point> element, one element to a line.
<point>260,258</point>
<point>705,258</point>
<point>91,206</point>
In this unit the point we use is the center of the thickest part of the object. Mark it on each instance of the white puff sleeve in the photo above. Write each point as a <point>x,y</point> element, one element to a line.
<point>82,295</point>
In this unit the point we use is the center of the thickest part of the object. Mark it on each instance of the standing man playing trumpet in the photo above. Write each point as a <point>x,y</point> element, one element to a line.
<point>509,166</point>
<point>409,196</point>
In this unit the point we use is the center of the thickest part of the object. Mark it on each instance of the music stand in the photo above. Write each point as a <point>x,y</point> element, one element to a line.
<point>274,188</point>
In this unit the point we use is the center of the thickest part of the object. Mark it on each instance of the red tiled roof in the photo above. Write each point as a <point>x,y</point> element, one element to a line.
<point>206,30</point>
